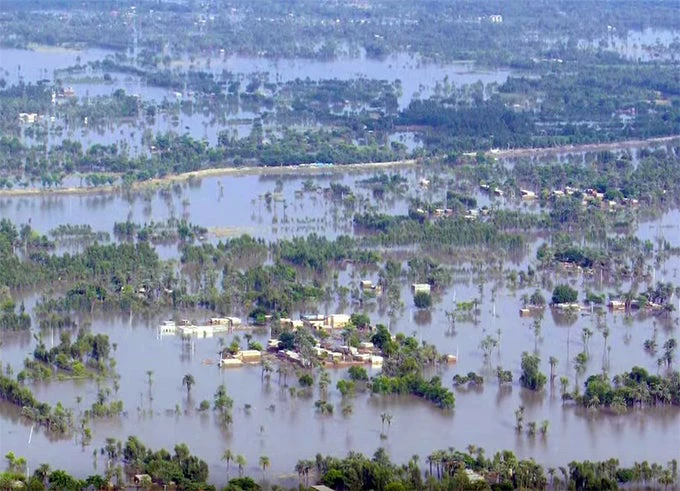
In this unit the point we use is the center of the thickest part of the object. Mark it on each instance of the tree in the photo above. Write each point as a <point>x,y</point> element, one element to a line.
<point>564,294</point>
<point>537,299</point>
<point>564,387</point>
<point>228,456</point>
<point>306,380</point>
<point>357,373</point>
<point>241,462</point>
<point>324,381</point>
<point>531,377</point>
<point>264,463</point>
<point>519,418</point>
<point>669,351</point>
<point>188,381</point>
<point>553,363</point>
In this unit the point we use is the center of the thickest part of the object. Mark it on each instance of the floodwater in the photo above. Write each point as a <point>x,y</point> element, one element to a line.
<point>648,44</point>
<point>417,77</point>
<point>483,417</point>
<point>231,205</point>
<point>40,64</point>
<point>418,80</point>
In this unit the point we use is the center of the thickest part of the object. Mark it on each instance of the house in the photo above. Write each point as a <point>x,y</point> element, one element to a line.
<point>366,284</point>
<point>273,344</point>
<point>617,305</point>
<point>28,118</point>
<point>225,321</point>
<point>249,355</point>
<point>141,479</point>
<point>167,328</point>
<point>473,476</point>
<point>420,287</point>
<point>321,487</point>
<point>366,347</point>
<point>230,363</point>
<point>287,323</point>
<point>526,194</point>
<point>314,320</point>
<point>293,356</point>
<point>363,357</point>
<point>472,214</point>
<point>337,321</point>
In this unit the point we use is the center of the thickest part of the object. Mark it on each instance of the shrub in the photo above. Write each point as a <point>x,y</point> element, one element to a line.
<point>422,300</point>
<point>564,294</point>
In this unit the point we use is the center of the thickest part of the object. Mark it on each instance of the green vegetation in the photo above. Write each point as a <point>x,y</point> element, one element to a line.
<point>87,355</point>
<point>564,294</point>
<point>403,369</point>
<point>532,378</point>
<point>445,469</point>
<point>57,419</point>
<point>631,389</point>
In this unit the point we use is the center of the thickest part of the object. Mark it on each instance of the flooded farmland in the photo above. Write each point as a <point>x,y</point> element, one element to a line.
<point>274,418</point>
<point>268,419</point>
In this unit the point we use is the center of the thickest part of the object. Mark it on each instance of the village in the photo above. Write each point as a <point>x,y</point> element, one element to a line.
<point>330,348</point>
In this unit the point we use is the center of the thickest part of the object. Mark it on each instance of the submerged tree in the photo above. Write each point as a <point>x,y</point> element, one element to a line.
<point>188,381</point>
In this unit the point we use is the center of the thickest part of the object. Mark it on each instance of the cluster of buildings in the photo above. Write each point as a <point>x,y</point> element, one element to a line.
<point>589,195</point>
<point>471,214</point>
<point>317,321</point>
<point>333,356</point>
<point>186,328</point>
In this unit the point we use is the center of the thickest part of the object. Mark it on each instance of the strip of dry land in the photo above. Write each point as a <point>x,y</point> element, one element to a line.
<point>314,169</point>
<point>588,147</point>
<point>213,172</point>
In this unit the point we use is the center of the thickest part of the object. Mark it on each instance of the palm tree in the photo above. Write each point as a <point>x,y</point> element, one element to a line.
<point>228,456</point>
<point>43,472</point>
<point>187,381</point>
<point>241,462</point>
<point>564,386</point>
<point>553,363</point>
<point>266,370</point>
<point>300,469</point>
<point>264,463</point>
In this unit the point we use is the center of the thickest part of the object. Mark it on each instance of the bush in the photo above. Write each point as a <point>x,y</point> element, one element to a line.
<point>564,294</point>
<point>537,299</point>
<point>242,484</point>
<point>306,380</point>
<point>422,300</point>
<point>357,373</point>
